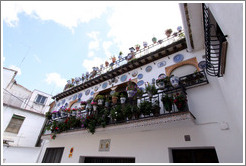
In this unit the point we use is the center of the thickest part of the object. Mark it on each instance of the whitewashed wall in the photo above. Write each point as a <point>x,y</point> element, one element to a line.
<point>29,131</point>
<point>8,75</point>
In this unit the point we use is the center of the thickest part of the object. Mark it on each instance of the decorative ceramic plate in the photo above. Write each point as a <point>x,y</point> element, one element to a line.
<point>75,97</point>
<point>148,68</point>
<point>63,101</point>
<point>135,73</point>
<point>140,83</point>
<point>202,64</point>
<point>112,92</point>
<point>87,92</point>
<point>58,104</point>
<point>142,89</point>
<point>140,76</point>
<point>123,78</point>
<point>66,104</point>
<point>80,95</point>
<point>104,85</point>
<point>161,64</point>
<point>92,93</point>
<point>178,58</point>
<point>96,88</point>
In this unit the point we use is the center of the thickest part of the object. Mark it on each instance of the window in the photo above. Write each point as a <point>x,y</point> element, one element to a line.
<point>15,124</point>
<point>53,155</point>
<point>107,160</point>
<point>40,99</point>
<point>194,156</point>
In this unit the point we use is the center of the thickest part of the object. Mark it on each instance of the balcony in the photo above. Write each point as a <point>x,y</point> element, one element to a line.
<point>141,113</point>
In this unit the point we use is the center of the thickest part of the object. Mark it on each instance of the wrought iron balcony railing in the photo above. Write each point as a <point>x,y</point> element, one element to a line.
<point>165,102</point>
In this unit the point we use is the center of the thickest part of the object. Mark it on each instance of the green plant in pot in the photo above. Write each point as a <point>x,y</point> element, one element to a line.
<point>155,109</point>
<point>136,111</point>
<point>115,97</point>
<point>48,115</point>
<point>116,113</point>
<point>150,89</point>
<point>100,99</point>
<point>167,101</point>
<point>145,107</point>
<point>127,111</point>
<point>180,100</point>
<point>122,98</point>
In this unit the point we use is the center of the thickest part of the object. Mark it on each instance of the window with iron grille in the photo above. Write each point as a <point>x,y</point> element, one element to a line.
<point>15,124</point>
<point>40,99</point>
<point>53,155</point>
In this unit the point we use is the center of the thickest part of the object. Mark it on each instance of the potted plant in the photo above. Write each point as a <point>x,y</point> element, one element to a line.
<point>107,102</point>
<point>122,98</point>
<point>154,40</point>
<point>106,63</point>
<point>116,113</point>
<point>150,89</point>
<point>137,46</point>
<point>145,107</point>
<point>145,44</point>
<point>131,89</point>
<point>83,104</point>
<point>155,109</point>
<point>113,58</point>
<point>120,55</point>
<point>180,100</point>
<point>136,111</point>
<point>139,92</point>
<point>100,99</point>
<point>115,97</point>
<point>48,115</point>
<point>127,111</point>
<point>74,111</point>
<point>94,105</point>
<point>168,32</point>
<point>167,101</point>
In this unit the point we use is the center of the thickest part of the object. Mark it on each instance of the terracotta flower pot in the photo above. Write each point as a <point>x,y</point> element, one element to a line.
<point>114,99</point>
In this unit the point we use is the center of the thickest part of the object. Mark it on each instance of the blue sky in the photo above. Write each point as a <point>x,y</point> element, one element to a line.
<point>49,43</point>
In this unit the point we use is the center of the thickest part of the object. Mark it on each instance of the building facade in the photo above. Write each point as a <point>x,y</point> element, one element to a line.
<point>207,60</point>
<point>23,120</point>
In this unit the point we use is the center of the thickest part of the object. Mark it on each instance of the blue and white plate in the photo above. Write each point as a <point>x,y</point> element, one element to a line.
<point>63,101</point>
<point>58,104</point>
<point>96,88</point>
<point>66,104</point>
<point>123,78</point>
<point>135,73</point>
<point>148,68</point>
<point>140,76</point>
<point>92,93</point>
<point>162,76</point>
<point>75,97</point>
<point>112,92</point>
<point>178,58</point>
<point>161,64</point>
<point>140,83</point>
<point>80,95</point>
<point>104,85</point>
<point>202,64</point>
<point>87,92</point>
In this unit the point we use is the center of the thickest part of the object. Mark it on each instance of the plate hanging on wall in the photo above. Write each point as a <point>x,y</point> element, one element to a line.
<point>178,58</point>
<point>140,76</point>
<point>140,83</point>
<point>134,73</point>
<point>123,78</point>
<point>96,88</point>
<point>63,101</point>
<point>87,92</point>
<point>161,64</point>
<point>92,93</point>
<point>202,65</point>
<point>80,95</point>
<point>104,85</point>
<point>74,97</point>
<point>148,68</point>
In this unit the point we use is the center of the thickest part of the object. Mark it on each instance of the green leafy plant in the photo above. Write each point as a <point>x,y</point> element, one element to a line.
<point>116,113</point>
<point>48,115</point>
<point>127,111</point>
<point>180,100</point>
<point>101,97</point>
<point>150,88</point>
<point>145,107</point>
<point>167,101</point>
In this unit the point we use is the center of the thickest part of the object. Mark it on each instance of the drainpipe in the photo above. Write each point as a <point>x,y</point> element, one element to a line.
<point>186,28</point>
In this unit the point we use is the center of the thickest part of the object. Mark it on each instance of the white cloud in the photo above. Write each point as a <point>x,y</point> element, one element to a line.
<point>56,79</point>
<point>16,68</point>
<point>66,13</point>
<point>95,43</point>
<point>91,54</point>
<point>106,46</point>
<point>37,58</point>
<point>95,62</point>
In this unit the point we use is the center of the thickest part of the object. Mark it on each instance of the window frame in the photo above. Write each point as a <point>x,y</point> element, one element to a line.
<point>39,98</point>
<point>10,127</point>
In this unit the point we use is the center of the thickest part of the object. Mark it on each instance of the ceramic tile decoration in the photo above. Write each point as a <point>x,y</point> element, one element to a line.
<point>202,65</point>
<point>104,85</point>
<point>123,78</point>
<point>75,97</point>
<point>80,95</point>
<point>148,68</point>
<point>161,64</point>
<point>92,93</point>
<point>140,76</point>
<point>178,58</point>
<point>140,83</point>
<point>134,73</point>
<point>112,92</point>
<point>87,92</point>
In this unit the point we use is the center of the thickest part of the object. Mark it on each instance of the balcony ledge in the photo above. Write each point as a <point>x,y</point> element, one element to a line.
<point>180,119</point>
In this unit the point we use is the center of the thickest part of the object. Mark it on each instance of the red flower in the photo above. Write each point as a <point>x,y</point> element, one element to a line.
<point>175,100</point>
<point>56,128</point>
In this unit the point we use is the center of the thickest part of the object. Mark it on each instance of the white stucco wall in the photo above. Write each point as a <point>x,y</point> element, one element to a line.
<point>8,75</point>
<point>207,103</point>
<point>230,19</point>
<point>21,155</point>
<point>38,107</point>
<point>29,131</point>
